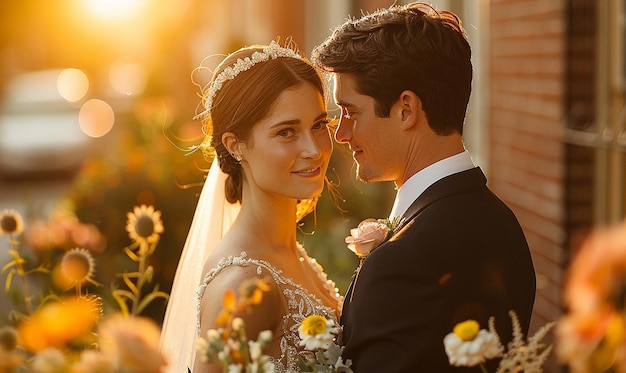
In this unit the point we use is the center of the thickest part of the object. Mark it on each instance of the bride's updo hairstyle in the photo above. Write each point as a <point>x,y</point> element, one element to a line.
<point>241,93</point>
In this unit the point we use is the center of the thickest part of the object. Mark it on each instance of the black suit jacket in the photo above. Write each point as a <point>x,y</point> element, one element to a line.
<point>459,253</point>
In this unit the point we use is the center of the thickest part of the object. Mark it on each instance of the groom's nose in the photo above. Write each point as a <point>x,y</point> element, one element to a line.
<point>343,133</point>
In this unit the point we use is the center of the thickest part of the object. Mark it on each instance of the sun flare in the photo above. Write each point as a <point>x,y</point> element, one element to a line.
<point>115,9</point>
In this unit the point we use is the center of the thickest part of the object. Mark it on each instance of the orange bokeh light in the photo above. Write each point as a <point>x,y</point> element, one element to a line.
<point>96,118</point>
<point>72,84</point>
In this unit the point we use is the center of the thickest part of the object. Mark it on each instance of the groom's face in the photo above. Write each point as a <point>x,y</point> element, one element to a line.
<point>372,139</point>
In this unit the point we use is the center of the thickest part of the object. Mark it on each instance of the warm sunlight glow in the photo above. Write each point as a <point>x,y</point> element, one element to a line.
<point>127,76</point>
<point>115,9</point>
<point>96,118</point>
<point>72,84</point>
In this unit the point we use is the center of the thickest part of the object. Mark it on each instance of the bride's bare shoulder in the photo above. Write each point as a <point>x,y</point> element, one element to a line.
<point>230,265</point>
<point>241,278</point>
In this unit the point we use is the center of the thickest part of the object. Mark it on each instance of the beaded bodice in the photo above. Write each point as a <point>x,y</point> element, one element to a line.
<point>299,302</point>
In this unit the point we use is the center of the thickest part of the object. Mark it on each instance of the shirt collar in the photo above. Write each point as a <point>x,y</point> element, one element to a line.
<point>424,178</point>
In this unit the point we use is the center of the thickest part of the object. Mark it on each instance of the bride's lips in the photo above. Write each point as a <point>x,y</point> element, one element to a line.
<point>309,172</point>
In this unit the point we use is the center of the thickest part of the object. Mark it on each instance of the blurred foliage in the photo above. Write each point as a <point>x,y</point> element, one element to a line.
<point>143,168</point>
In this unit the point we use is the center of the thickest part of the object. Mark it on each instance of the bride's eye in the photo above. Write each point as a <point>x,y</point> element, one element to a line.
<point>322,124</point>
<point>286,132</point>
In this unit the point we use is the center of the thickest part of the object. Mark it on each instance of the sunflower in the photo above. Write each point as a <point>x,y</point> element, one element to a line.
<point>10,222</point>
<point>144,224</point>
<point>77,267</point>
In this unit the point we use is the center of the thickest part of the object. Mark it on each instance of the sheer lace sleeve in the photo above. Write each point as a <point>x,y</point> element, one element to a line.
<point>299,303</point>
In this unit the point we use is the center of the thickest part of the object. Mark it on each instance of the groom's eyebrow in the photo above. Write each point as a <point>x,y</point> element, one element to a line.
<point>342,104</point>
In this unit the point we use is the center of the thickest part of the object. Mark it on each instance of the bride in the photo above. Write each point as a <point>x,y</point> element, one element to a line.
<point>265,122</point>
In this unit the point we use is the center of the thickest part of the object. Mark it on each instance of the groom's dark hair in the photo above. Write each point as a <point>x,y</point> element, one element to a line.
<point>411,47</point>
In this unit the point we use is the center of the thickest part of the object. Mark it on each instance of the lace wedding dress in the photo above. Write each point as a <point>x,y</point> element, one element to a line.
<point>212,219</point>
<point>299,302</point>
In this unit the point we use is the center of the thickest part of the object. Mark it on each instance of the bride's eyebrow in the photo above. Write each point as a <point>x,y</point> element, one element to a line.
<point>297,121</point>
<point>321,116</point>
<point>286,123</point>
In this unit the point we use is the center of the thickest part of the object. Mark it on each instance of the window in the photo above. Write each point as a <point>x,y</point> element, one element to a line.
<point>595,113</point>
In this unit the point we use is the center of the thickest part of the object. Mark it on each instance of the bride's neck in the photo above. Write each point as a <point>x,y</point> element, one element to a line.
<point>270,224</point>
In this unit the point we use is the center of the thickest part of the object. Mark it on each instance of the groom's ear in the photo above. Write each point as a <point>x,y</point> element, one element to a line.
<point>410,109</point>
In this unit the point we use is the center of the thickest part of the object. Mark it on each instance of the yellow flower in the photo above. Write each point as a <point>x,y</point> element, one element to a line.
<point>77,267</point>
<point>10,222</point>
<point>144,224</point>
<point>466,330</point>
<point>317,332</point>
<point>59,323</point>
<point>607,350</point>
<point>229,306</point>
<point>314,324</point>
<point>251,290</point>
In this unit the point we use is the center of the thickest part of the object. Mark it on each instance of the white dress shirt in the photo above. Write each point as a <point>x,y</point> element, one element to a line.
<point>418,183</point>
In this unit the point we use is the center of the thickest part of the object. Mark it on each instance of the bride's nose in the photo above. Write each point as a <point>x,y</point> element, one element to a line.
<point>310,147</point>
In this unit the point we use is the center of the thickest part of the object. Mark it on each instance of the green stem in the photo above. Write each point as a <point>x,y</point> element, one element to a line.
<point>143,249</point>
<point>27,297</point>
<point>142,269</point>
<point>483,368</point>
<point>28,300</point>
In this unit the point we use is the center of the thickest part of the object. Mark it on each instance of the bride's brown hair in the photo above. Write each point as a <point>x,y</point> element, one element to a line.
<point>244,101</point>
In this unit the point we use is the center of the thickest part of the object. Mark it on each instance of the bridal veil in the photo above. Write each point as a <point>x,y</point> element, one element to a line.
<point>212,219</point>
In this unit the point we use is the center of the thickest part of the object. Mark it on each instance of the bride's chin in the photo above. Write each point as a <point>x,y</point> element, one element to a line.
<point>316,193</point>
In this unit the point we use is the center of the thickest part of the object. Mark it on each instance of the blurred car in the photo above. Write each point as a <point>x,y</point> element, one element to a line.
<point>39,128</point>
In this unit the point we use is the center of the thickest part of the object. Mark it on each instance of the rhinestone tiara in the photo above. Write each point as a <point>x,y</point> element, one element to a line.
<point>270,52</point>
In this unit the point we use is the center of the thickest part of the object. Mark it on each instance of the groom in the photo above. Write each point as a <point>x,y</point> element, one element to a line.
<point>403,79</point>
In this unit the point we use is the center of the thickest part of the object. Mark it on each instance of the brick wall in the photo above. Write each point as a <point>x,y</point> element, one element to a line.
<point>525,128</point>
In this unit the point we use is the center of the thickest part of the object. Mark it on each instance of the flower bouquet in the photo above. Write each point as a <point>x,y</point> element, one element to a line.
<point>228,346</point>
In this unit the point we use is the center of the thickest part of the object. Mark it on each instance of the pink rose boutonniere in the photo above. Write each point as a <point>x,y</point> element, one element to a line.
<point>369,235</point>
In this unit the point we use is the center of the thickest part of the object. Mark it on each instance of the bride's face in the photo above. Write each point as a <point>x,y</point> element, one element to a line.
<point>289,150</point>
